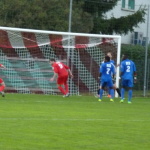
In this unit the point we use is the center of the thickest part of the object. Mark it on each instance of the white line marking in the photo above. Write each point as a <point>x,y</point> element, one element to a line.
<point>71,119</point>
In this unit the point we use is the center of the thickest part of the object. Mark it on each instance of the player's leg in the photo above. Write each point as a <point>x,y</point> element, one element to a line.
<point>98,91</point>
<point>123,84</point>
<point>61,89</point>
<point>2,87</point>
<point>100,95</point>
<point>66,85</point>
<point>103,84</point>
<point>111,89</point>
<point>114,87</point>
<point>130,85</point>
<point>122,94</point>
<point>112,94</point>
<point>109,95</point>
<point>117,90</point>
<point>129,95</point>
<point>60,83</point>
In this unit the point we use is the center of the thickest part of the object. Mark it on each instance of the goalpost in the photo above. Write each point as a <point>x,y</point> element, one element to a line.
<point>26,54</point>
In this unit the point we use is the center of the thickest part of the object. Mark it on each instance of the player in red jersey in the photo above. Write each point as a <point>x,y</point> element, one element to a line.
<point>2,83</point>
<point>62,71</point>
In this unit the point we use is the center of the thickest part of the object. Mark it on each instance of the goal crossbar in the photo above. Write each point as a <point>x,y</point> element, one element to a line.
<point>59,33</point>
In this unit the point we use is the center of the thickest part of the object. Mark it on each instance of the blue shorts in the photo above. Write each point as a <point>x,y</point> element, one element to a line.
<point>127,82</point>
<point>106,83</point>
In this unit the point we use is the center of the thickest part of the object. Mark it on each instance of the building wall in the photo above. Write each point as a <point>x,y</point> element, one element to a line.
<point>118,11</point>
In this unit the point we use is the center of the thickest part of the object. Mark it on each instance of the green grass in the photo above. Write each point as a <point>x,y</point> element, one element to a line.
<point>43,122</point>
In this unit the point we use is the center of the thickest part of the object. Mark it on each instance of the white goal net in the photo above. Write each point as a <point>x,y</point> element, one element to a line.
<point>26,54</point>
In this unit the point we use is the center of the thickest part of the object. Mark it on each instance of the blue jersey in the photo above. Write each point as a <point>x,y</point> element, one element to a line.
<point>106,70</point>
<point>127,68</point>
<point>112,61</point>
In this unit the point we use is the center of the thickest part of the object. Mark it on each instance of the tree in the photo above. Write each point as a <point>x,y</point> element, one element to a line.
<point>122,25</point>
<point>88,16</point>
<point>36,14</point>
<point>45,14</point>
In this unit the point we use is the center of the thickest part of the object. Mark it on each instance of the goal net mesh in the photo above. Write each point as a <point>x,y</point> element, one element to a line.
<point>26,54</point>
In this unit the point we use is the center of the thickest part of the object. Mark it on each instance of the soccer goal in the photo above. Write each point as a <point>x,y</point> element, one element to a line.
<point>26,54</point>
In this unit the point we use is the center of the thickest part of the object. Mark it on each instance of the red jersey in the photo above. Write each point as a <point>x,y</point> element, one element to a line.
<point>60,68</point>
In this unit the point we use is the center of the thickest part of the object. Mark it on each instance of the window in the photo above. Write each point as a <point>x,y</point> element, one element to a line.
<point>128,4</point>
<point>131,4</point>
<point>123,3</point>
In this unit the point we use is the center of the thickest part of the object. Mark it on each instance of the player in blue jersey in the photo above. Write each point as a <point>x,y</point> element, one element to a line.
<point>115,88</point>
<point>127,74</point>
<point>107,69</point>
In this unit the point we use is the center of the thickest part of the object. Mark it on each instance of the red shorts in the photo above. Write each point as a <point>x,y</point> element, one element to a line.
<point>1,80</point>
<point>62,79</point>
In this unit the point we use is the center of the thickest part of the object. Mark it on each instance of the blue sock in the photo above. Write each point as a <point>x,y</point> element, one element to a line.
<point>101,93</point>
<point>122,93</point>
<point>129,95</point>
<point>112,93</point>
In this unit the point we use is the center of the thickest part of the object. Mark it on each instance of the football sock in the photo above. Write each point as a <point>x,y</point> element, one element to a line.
<point>129,95</point>
<point>98,91</point>
<point>112,93</point>
<point>66,88</point>
<point>122,93</point>
<point>118,91</point>
<point>62,90</point>
<point>101,93</point>
<point>2,87</point>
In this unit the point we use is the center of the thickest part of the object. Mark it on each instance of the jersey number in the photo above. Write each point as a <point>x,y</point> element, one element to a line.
<point>128,69</point>
<point>60,65</point>
<point>108,70</point>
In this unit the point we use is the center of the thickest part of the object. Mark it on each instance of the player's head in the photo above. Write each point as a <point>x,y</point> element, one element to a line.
<point>52,60</point>
<point>107,58</point>
<point>109,54</point>
<point>124,56</point>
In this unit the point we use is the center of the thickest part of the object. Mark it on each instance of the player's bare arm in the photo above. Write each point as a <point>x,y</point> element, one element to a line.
<point>54,77</point>
<point>70,73</point>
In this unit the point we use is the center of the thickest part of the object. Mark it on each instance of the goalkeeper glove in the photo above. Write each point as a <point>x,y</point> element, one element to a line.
<point>135,79</point>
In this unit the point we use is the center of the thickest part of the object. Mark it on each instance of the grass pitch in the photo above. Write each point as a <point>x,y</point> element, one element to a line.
<point>43,122</point>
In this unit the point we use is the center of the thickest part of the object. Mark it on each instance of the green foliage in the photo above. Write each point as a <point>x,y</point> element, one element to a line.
<point>82,21</point>
<point>121,25</point>
<point>88,16</point>
<point>46,15</point>
<point>98,7</point>
<point>35,14</point>
<point>135,52</point>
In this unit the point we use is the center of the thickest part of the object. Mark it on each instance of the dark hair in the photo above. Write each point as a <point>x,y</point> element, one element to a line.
<point>125,56</point>
<point>107,58</point>
<point>52,59</point>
